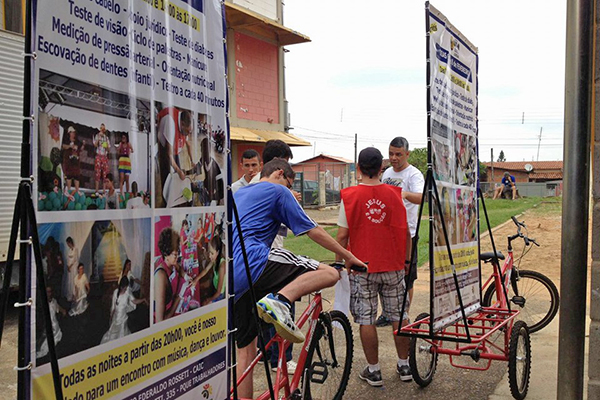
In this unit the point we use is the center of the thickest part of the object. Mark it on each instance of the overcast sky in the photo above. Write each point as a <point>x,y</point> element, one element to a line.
<point>364,73</point>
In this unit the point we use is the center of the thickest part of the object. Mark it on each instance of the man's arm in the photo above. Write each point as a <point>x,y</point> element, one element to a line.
<point>415,198</point>
<point>416,184</point>
<point>342,238</point>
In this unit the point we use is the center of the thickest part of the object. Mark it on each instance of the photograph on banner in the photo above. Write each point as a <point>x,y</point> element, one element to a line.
<point>190,159</point>
<point>465,147</point>
<point>443,160</point>
<point>93,147</point>
<point>190,263</point>
<point>98,283</point>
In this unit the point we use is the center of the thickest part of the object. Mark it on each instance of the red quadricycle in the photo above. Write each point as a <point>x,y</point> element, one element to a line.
<point>477,335</point>
<point>325,361</point>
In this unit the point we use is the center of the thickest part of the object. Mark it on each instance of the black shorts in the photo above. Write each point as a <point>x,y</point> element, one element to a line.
<point>411,276</point>
<point>281,269</point>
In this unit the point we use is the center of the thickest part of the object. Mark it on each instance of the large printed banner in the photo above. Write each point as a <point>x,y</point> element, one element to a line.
<point>453,85</point>
<point>130,158</point>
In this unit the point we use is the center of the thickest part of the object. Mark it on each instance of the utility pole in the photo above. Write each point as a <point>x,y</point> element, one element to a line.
<point>355,151</point>
<point>492,164</point>
<point>539,143</point>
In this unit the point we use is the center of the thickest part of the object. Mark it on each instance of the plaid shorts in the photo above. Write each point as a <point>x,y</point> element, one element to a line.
<point>365,291</point>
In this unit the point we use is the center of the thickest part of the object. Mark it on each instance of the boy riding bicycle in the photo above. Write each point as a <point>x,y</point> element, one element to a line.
<point>279,277</point>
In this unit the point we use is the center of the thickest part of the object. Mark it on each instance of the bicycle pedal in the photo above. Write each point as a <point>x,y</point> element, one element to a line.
<point>318,373</point>
<point>518,300</point>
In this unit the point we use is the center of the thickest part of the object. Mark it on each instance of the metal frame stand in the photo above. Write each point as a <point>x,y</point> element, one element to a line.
<point>24,219</point>
<point>430,189</point>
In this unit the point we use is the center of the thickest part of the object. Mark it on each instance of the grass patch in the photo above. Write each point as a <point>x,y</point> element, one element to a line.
<point>303,245</point>
<point>499,211</point>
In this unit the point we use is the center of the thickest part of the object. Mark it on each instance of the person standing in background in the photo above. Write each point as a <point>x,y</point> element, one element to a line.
<point>251,165</point>
<point>411,180</point>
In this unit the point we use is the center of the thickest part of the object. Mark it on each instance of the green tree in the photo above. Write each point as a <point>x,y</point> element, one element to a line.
<point>501,157</point>
<point>418,158</point>
<point>482,171</point>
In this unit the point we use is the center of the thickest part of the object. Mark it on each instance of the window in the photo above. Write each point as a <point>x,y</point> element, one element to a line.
<point>12,16</point>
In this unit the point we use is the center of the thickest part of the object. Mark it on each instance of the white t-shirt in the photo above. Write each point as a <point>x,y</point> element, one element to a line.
<point>166,130</point>
<point>409,179</point>
<point>240,183</point>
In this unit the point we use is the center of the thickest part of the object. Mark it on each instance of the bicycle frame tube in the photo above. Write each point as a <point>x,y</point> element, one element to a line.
<point>507,269</point>
<point>282,381</point>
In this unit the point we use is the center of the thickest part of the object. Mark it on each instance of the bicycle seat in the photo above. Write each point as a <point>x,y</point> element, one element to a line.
<point>487,257</point>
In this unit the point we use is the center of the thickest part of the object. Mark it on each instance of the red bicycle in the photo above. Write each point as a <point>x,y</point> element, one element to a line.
<point>535,295</point>
<point>325,361</point>
<point>476,337</point>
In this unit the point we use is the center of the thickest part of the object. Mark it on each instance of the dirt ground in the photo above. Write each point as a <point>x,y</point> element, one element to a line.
<point>449,381</point>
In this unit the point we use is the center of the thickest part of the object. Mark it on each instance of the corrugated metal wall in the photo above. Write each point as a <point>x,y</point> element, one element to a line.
<point>11,127</point>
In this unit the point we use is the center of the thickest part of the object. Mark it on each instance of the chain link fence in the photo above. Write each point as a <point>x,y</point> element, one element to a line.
<point>321,183</point>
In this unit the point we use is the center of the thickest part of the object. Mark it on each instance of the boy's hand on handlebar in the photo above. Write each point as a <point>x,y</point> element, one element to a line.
<point>355,262</point>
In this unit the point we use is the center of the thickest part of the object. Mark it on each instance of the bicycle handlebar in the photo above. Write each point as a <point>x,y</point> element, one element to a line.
<point>527,240</point>
<point>340,265</point>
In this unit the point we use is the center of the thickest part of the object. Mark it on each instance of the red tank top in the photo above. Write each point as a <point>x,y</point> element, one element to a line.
<point>377,225</point>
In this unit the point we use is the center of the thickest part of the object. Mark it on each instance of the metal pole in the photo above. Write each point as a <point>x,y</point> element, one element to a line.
<point>577,137</point>
<point>492,164</point>
<point>539,143</point>
<point>355,151</point>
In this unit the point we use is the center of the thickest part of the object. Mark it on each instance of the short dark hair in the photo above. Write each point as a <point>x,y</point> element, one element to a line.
<point>276,148</point>
<point>275,165</point>
<point>369,162</point>
<point>110,177</point>
<point>186,118</point>
<point>399,141</point>
<point>168,241</point>
<point>69,240</point>
<point>134,188</point>
<point>249,154</point>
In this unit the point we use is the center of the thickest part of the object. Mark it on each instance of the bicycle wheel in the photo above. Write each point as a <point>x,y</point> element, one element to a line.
<point>329,358</point>
<point>422,358</point>
<point>519,360</point>
<point>534,294</point>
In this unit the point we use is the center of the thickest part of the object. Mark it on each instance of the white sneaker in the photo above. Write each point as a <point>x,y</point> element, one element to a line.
<point>291,367</point>
<point>276,312</point>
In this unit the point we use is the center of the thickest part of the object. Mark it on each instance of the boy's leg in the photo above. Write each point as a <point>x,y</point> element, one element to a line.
<point>290,277</point>
<point>325,276</point>
<point>364,289</point>
<point>393,291</point>
<point>370,343</point>
<point>245,357</point>
<point>402,342</point>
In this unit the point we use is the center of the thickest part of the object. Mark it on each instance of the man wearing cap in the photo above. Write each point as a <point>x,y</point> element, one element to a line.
<point>372,223</point>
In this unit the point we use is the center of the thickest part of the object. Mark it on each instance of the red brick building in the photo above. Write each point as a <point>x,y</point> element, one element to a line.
<point>255,55</point>
<point>526,171</point>
<point>337,169</point>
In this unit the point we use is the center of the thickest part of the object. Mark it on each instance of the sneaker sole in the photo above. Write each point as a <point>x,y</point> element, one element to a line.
<point>370,382</point>
<point>404,378</point>
<point>266,315</point>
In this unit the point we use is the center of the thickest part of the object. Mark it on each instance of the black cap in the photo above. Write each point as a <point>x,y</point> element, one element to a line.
<point>369,158</point>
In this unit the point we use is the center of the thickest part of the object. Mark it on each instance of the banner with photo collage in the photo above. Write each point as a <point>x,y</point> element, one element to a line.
<point>453,84</point>
<point>130,158</point>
